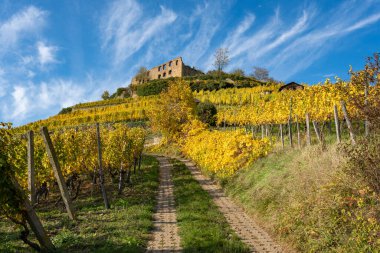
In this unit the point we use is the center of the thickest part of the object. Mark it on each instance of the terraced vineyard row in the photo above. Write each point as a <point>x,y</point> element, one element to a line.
<point>129,110</point>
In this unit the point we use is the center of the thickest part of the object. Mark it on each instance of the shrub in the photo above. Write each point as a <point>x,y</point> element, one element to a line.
<point>206,112</point>
<point>121,92</point>
<point>363,161</point>
<point>66,110</point>
<point>153,87</point>
<point>221,153</point>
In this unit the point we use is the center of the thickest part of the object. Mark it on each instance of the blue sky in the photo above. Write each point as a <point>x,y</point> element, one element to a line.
<point>54,54</point>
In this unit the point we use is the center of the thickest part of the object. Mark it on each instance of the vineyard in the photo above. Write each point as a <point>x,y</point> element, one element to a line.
<point>120,110</point>
<point>266,105</point>
<point>94,149</point>
<point>84,153</point>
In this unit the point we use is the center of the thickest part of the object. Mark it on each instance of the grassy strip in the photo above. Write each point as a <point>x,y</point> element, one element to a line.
<point>307,199</point>
<point>123,228</point>
<point>202,227</point>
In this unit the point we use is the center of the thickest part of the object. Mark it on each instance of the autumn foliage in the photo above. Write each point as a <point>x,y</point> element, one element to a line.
<point>174,109</point>
<point>218,153</point>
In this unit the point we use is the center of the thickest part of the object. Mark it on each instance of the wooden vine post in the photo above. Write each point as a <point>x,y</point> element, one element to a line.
<point>337,128</point>
<point>308,137</point>
<point>34,222</point>
<point>282,136</point>
<point>101,175</point>
<point>290,124</point>
<point>317,132</point>
<point>348,122</point>
<point>57,172</point>
<point>31,173</point>
<point>298,133</point>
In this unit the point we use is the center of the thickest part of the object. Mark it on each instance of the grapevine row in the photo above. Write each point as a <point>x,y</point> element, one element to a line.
<point>257,106</point>
<point>76,151</point>
<point>132,111</point>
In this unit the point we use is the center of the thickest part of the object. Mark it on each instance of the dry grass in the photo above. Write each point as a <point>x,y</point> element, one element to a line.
<point>305,198</point>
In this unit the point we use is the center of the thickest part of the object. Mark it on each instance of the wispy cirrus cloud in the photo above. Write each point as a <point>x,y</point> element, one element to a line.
<point>288,44</point>
<point>204,22</point>
<point>306,49</point>
<point>364,22</point>
<point>22,24</point>
<point>126,28</point>
<point>247,44</point>
<point>287,38</point>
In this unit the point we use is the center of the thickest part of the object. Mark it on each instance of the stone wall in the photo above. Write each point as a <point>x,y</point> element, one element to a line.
<point>172,68</point>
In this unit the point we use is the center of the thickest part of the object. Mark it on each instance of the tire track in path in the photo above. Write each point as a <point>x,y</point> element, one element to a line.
<point>244,226</point>
<point>165,236</point>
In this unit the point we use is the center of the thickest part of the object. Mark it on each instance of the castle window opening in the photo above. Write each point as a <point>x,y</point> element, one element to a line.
<point>176,62</point>
<point>164,74</point>
<point>164,67</point>
<point>159,76</point>
<point>170,63</point>
<point>159,68</point>
<point>170,72</point>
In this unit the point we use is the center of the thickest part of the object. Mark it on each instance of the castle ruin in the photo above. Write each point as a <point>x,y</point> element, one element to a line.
<point>172,68</point>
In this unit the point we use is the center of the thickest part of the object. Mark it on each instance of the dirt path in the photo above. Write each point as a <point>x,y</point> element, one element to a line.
<point>240,222</point>
<point>165,234</point>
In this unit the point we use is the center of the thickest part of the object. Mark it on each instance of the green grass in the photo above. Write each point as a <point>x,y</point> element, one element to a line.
<point>307,200</point>
<point>123,228</point>
<point>202,227</point>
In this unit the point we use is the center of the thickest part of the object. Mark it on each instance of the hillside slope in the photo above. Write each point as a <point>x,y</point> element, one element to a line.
<point>309,199</point>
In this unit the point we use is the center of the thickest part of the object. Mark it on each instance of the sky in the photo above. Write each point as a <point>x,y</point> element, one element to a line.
<point>54,54</point>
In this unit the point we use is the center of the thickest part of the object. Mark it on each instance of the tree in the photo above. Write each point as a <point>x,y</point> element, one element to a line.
<point>367,81</point>
<point>105,95</point>
<point>174,109</point>
<point>261,74</point>
<point>221,59</point>
<point>142,74</point>
<point>238,72</point>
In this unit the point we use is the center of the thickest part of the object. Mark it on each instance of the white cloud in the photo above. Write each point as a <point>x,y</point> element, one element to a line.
<point>299,27</point>
<point>21,102</point>
<point>17,57</point>
<point>307,48</point>
<point>363,23</point>
<point>21,24</point>
<point>246,44</point>
<point>3,83</point>
<point>234,39</point>
<point>243,46</point>
<point>329,75</point>
<point>31,99</point>
<point>205,22</point>
<point>46,54</point>
<point>126,28</point>
<point>287,45</point>
<point>61,93</point>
